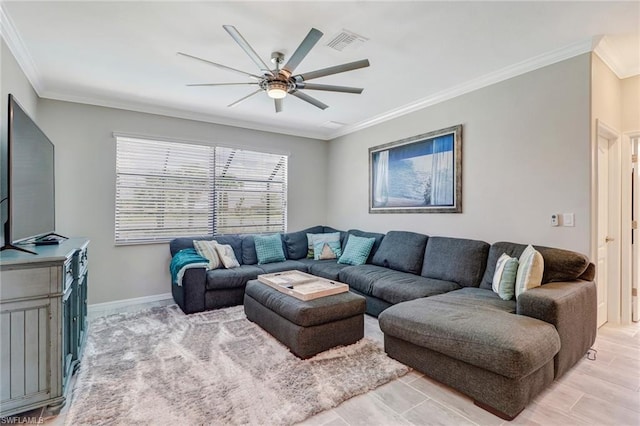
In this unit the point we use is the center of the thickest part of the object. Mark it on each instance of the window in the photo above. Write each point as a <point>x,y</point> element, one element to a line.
<point>166,190</point>
<point>250,192</point>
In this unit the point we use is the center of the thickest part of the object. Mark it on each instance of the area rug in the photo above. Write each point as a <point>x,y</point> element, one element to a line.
<point>163,367</point>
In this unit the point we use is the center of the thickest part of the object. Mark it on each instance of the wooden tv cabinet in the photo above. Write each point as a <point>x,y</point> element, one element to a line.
<point>43,324</point>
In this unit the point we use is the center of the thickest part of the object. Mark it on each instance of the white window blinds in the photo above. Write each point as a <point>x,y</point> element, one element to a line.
<point>166,190</point>
<point>250,192</point>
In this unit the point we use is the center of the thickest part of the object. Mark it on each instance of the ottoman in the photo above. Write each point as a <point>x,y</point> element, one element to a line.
<point>306,327</point>
<point>500,359</point>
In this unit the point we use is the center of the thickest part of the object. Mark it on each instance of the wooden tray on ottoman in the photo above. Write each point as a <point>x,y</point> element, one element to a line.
<point>302,285</point>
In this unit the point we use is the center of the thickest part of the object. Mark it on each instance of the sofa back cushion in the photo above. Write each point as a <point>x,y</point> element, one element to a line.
<point>559,264</point>
<point>235,241</point>
<point>402,251</point>
<point>455,259</point>
<point>249,255</point>
<point>376,236</point>
<point>296,242</point>
<point>182,243</point>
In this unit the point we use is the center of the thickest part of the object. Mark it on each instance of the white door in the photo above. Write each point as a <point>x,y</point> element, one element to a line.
<point>603,227</point>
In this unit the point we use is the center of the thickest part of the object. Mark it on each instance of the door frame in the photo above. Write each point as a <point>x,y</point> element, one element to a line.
<point>627,260</point>
<point>614,290</point>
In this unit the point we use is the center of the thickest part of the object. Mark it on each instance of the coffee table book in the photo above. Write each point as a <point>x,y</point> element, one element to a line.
<point>302,285</point>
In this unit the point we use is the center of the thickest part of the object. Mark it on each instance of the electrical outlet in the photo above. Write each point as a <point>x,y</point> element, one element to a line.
<point>555,220</point>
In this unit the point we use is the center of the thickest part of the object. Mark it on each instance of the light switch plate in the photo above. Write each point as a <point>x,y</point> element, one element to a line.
<point>568,219</point>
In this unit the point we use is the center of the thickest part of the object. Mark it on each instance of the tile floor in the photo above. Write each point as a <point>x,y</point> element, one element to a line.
<point>601,392</point>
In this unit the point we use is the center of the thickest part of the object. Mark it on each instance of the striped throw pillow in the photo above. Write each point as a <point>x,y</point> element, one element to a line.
<point>207,249</point>
<point>530,270</point>
<point>504,279</point>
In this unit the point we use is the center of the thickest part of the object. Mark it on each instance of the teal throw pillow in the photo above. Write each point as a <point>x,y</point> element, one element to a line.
<point>357,250</point>
<point>269,249</point>
<point>313,239</point>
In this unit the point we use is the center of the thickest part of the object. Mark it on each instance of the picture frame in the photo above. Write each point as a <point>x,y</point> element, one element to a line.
<point>420,174</point>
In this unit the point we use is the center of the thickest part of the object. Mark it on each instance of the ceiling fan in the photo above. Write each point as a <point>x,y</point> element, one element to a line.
<point>280,81</point>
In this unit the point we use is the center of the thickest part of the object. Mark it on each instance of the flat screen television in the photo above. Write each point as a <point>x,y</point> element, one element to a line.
<point>31,180</point>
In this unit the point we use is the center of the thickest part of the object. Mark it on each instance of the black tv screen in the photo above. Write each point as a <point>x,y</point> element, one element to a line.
<point>31,178</point>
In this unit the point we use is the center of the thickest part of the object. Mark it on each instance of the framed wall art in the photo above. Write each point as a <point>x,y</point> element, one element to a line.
<point>421,174</point>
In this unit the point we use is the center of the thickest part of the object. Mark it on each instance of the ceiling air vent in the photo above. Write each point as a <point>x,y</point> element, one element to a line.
<point>346,39</point>
<point>333,125</point>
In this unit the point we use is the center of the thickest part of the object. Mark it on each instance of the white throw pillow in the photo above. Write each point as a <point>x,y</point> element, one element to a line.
<point>207,249</point>
<point>227,256</point>
<point>530,270</point>
<point>504,279</point>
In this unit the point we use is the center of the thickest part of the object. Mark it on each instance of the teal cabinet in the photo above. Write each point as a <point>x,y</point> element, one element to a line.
<point>43,324</point>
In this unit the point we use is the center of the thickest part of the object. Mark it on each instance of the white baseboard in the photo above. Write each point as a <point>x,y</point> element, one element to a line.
<point>128,305</point>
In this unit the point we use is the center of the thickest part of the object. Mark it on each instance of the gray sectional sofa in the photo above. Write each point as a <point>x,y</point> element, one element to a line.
<point>437,310</point>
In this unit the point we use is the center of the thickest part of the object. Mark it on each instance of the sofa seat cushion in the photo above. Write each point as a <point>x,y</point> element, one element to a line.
<point>402,251</point>
<point>399,287</point>
<point>287,265</point>
<point>470,297</point>
<point>218,279</point>
<point>510,345</point>
<point>307,313</point>
<point>455,259</point>
<point>329,269</point>
<point>362,277</point>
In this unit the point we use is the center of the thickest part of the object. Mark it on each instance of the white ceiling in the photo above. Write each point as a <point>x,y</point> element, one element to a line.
<point>123,54</point>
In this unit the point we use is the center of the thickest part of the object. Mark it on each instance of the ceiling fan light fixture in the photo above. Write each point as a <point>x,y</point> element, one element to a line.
<point>277,89</point>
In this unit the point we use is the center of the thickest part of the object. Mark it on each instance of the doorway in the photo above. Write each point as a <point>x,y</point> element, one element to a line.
<point>608,158</point>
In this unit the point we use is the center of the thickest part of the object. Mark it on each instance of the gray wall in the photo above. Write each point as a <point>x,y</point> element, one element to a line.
<point>15,82</point>
<point>526,155</point>
<point>85,186</point>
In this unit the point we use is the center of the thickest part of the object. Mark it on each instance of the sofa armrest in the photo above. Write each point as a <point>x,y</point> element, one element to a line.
<point>190,295</point>
<point>571,307</point>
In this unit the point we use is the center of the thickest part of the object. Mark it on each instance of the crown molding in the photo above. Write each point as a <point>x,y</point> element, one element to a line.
<point>605,52</point>
<point>506,73</point>
<point>180,113</point>
<point>19,50</point>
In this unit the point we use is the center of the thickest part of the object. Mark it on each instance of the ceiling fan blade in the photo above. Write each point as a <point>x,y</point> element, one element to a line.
<point>224,67</point>
<point>219,84</point>
<point>334,70</point>
<point>231,105</point>
<point>235,34</point>
<point>311,100</point>
<point>303,50</point>
<point>329,88</point>
<point>278,104</point>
